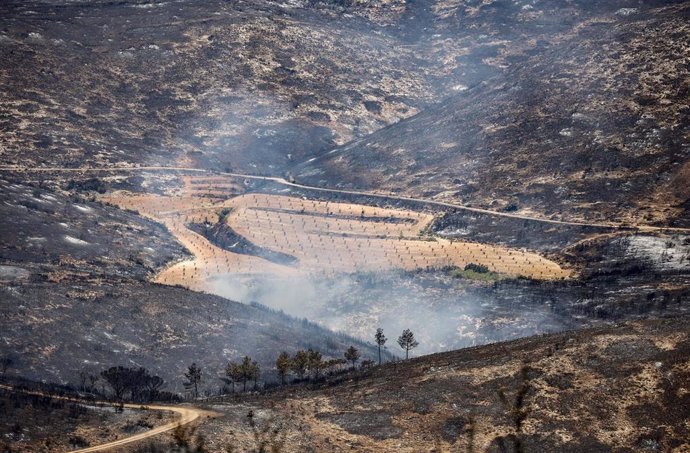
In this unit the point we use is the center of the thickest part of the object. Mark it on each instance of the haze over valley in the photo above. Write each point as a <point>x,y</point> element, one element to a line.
<point>344,225</point>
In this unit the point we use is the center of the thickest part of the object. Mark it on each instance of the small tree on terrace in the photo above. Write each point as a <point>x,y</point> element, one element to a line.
<point>380,340</point>
<point>352,355</point>
<point>92,382</point>
<point>407,342</point>
<point>83,377</point>
<point>283,365</point>
<point>193,376</point>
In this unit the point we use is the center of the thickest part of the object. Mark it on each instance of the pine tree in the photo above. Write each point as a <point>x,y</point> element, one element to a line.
<point>193,375</point>
<point>315,362</point>
<point>246,371</point>
<point>283,365</point>
<point>407,342</point>
<point>380,340</point>
<point>300,363</point>
<point>233,374</point>
<point>352,355</point>
<point>254,372</point>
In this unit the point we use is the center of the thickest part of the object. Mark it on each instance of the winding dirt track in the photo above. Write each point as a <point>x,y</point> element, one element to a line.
<point>187,415</point>
<point>285,182</point>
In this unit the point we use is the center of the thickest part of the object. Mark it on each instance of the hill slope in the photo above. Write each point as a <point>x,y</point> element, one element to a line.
<point>74,297</point>
<point>620,389</point>
<point>593,125</point>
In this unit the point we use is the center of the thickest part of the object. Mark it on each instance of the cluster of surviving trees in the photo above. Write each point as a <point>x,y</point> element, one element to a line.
<point>310,364</point>
<point>242,372</point>
<point>306,364</point>
<point>134,384</point>
<point>139,385</point>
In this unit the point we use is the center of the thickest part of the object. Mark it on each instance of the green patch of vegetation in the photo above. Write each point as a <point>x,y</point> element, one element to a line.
<point>478,272</point>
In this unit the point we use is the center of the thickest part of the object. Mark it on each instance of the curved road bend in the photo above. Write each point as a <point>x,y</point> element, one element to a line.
<point>285,182</point>
<point>187,415</point>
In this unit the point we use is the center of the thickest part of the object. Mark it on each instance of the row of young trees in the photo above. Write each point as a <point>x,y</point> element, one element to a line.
<point>305,364</point>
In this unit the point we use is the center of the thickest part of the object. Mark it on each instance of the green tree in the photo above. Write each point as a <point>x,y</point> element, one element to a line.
<point>193,376</point>
<point>245,368</point>
<point>233,374</point>
<point>300,363</point>
<point>380,340</point>
<point>315,361</point>
<point>352,355</point>
<point>283,365</point>
<point>407,342</point>
<point>249,371</point>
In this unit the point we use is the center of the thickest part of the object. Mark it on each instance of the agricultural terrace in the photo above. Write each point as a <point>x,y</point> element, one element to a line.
<point>323,237</point>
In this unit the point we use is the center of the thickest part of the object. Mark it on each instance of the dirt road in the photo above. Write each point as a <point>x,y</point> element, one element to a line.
<point>187,415</point>
<point>285,182</point>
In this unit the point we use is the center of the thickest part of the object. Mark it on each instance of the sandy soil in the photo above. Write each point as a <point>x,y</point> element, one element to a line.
<point>324,237</point>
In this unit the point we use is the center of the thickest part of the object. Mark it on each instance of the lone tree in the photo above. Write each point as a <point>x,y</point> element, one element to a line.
<point>352,355</point>
<point>283,365</point>
<point>380,340</point>
<point>83,376</point>
<point>193,375</point>
<point>407,342</point>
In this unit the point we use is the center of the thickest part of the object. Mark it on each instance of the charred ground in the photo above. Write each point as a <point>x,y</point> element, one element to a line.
<point>592,125</point>
<point>541,109</point>
<point>617,388</point>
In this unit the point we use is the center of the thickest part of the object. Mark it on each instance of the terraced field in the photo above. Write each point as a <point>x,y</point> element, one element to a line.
<point>318,237</point>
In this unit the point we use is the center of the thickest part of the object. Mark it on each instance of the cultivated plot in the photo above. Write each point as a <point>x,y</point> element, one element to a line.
<point>319,237</point>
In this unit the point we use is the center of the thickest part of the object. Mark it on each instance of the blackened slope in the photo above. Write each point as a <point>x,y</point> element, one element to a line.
<point>67,236</point>
<point>226,238</point>
<point>251,85</point>
<point>56,330</point>
<point>594,126</point>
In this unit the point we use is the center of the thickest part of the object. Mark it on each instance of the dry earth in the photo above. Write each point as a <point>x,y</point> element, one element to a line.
<point>615,389</point>
<point>39,423</point>
<point>318,236</point>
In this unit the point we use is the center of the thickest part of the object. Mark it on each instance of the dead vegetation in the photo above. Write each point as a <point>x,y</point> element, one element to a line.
<point>608,389</point>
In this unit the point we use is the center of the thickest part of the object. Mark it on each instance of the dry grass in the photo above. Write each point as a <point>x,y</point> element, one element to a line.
<point>599,390</point>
